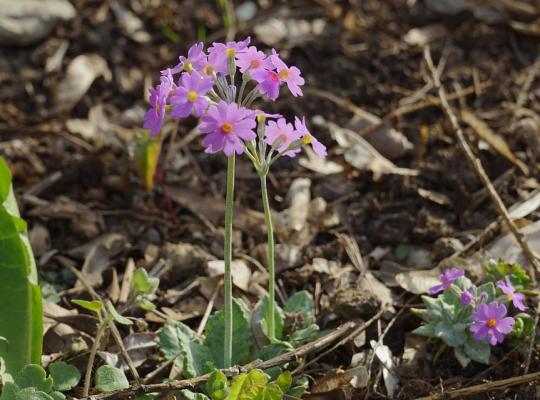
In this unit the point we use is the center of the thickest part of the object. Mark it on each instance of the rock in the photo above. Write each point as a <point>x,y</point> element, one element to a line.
<point>25,22</point>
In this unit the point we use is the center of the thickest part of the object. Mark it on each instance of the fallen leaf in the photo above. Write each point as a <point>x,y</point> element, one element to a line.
<point>80,74</point>
<point>390,377</point>
<point>497,142</point>
<point>241,274</point>
<point>130,24</point>
<point>418,281</point>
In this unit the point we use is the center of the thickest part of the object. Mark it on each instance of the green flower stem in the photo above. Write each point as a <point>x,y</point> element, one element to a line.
<point>271,267</point>
<point>228,306</point>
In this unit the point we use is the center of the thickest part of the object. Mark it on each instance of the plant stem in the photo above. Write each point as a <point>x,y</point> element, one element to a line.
<point>270,256</point>
<point>228,306</point>
<point>88,375</point>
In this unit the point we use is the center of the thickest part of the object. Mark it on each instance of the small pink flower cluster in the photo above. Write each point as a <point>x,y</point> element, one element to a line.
<point>207,88</point>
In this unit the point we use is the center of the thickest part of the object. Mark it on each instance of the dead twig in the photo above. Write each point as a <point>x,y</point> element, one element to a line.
<point>116,334</point>
<point>301,351</point>
<point>484,387</point>
<point>477,165</point>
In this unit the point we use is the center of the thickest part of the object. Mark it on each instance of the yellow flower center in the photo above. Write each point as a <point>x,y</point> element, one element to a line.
<point>510,298</point>
<point>208,69</point>
<point>192,96</point>
<point>492,323</point>
<point>255,63</point>
<point>226,127</point>
<point>284,73</point>
<point>230,52</point>
<point>307,139</point>
<point>187,66</point>
<point>261,118</point>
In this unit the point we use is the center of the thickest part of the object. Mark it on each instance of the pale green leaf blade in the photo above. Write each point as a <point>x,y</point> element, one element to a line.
<point>109,379</point>
<point>65,376</point>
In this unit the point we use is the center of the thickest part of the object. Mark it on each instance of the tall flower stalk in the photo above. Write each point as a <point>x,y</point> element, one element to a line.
<point>227,284</point>
<point>207,89</point>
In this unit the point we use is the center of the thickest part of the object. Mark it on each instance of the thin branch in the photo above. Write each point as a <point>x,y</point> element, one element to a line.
<point>116,334</point>
<point>339,332</point>
<point>484,387</point>
<point>477,165</point>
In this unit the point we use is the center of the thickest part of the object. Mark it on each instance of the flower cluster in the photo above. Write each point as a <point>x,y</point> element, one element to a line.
<point>471,318</point>
<point>218,86</point>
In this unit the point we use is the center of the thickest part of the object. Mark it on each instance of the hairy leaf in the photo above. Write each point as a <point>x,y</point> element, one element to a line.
<point>143,284</point>
<point>248,386</point>
<point>116,315</point>
<point>302,302</point>
<point>33,376</point>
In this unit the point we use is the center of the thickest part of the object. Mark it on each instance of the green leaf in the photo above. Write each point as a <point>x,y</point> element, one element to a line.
<point>270,392</point>
<point>433,308</point>
<point>284,381</point>
<point>9,391</point>
<point>33,376</point>
<point>5,180</point>
<point>95,305</point>
<point>109,379</point>
<point>58,395</point>
<point>271,350</point>
<point>527,323</point>
<point>462,358</point>
<point>499,269</point>
<point>304,335</point>
<point>278,318</point>
<point>478,351</point>
<point>32,394</point>
<point>302,303</point>
<point>302,385</point>
<point>242,336</point>
<point>65,376</point>
<point>217,386</point>
<point>189,395</point>
<point>147,151</point>
<point>116,315</point>
<point>248,386</point>
<point>451,336</point>
<point>427,330</point>
<point>489,289</point>
<point>20,308</point>
<point>143,284</point>
<point>177,340</point>
<point>145,304</point>
<point>147,396</point>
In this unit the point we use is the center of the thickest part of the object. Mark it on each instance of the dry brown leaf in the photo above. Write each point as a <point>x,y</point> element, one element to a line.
<point>497,142</point>
<point>80,74</point>
<point>355,377</point>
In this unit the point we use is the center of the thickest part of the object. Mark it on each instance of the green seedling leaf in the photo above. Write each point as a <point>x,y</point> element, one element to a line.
<point>116,315</point>
<point>427,330</point>
<point>248,386</point>
<point>65,376</point>
<point>33,376</point>
<point>144,303</point>
<point>20,308</point>
<point>279,319</point>
<point>109,379</point>
<point>217,386</point>
<point>489,289</point>
<point>179,341</point>
<point>284,381</point>
<point>302,303</point>
<point>142,284</point>
<point>147,151</point>
<point>189,395</point>
<point>242,336</point>
<point>95,305</point>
